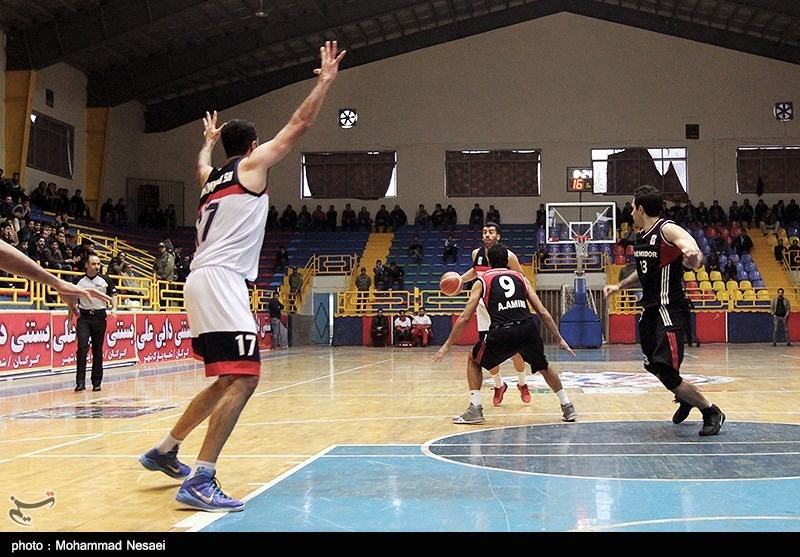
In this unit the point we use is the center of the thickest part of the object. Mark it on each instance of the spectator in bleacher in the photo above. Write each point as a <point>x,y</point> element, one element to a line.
<point>712,261</point>
<point>51,197</point>
<point>729,271</point>
<point>182,263</point>
<point>450,250</point>
<point>747,214</point>
<point>24,246</point>
<point>769,223</point>
<point>7,207</point>
<point>493,215</point>
<point>543,253</point>
<point>399,217</point>
<point>380,275</point>
<point>677,213</point>
<point>164,265</point>
<point>38,196</point>
<point>364,220</point>
<point>383,219</point>
<point>9,234</point>
<point>781,309</point>
<point>318,219</point>
<point>791,214</point>
<point>120,267</point>
<point>27,232</point>
<point>15,189</point>
<point>541,216</point>
<point>379,329</point>
<point>759,211</point>
<point>402,328</point>
<point>281,264</point>
<point>295,281</point>
<point>396,277</point>
<point>289,218</point>
<point>107,213</point>
<point>450,218</point>
<point>742,243</point>
<point>331,219</point>
<point>171,215</point>
<point>437,217</point>
<point>716,214</point>
<point>778,210</point>
<point>415,249</point>
<point>77,206</point>
<point>778,250</point>
<point>794,255</point>
<point>363,284</point>
<point>53,258</point>
<point>159,218</point>
<point>719,243</point>
<point>702,214</point>
<point>36,250</point>
<point>627,214</point>
<point>303,219</point>
<point>476,217</point>
<point>349,218</point>
<point>734,213</point>
<point>273,219</point>
<point>421,331</point>
<point>121,212</point>
<point>20,216</point>
<point>69,241</point>
<point>422,218</point>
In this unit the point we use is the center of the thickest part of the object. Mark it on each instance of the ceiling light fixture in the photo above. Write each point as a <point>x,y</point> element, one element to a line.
<point>260,12</point>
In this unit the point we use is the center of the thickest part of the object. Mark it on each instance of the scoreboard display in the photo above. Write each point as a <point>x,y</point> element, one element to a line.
<point>579,179</point>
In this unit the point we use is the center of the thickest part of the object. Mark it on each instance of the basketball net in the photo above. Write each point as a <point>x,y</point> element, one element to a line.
<point>581,252</point>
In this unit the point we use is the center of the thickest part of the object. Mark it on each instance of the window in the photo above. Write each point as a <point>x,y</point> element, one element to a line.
<point>776,168</point>
<point>51,147</point>
<point>485,173</point>
<point>621,171</point>
<point>358,175</point>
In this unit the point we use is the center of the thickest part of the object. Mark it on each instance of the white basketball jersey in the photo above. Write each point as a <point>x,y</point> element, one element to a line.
<point>230,223</point>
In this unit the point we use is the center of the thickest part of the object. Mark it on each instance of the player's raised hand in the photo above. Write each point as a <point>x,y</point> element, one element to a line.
<point>329,58</point>
<point>211,132</point>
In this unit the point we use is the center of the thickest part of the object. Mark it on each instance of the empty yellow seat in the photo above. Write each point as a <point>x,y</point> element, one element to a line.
<point>689,276</point>
<point>749,294</point>
<point>745,285</point>
<point>763,295</point>
<point>702,275</point>
<point>705,286</point>
<point>723,296</point>
<point>715,275</point>
<point>718,285</point>
<point>733,285</point>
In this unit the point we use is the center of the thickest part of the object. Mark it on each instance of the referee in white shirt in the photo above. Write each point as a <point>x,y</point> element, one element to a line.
<point>92,323</point>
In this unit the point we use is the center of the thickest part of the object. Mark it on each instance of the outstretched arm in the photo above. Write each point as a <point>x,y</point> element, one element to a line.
<point>462,321</point>
<point>269,153</point>
<point>17,263</point>
<point>211,135</point>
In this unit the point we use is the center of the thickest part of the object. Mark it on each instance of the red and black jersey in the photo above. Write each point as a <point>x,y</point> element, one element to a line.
<point>659,265</point>
<point>505,296</point>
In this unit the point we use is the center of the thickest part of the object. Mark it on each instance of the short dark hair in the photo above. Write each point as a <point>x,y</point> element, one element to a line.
<point>490,224</point>
<point>649,199</point>
<point>498,255</point>
<point>237,136</point>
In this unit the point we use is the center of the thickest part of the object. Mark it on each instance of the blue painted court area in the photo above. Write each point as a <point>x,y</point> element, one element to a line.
<point>599,476</point>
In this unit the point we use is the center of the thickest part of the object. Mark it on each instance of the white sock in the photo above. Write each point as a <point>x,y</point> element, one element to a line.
<point>475,397</point>
<point>523,378</point>
<point>168,444</point>
<point>209,466</point>
<point>498,380</point>
<point>562,396</point>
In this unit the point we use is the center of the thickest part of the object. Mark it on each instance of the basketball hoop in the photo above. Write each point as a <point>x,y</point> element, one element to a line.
<point>581,251</point>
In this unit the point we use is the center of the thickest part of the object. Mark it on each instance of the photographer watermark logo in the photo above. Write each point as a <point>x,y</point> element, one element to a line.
<point>18,515</point>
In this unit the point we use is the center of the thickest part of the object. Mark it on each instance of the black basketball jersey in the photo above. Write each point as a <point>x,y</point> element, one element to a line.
<point>480,262</point>
<point>659,265</point>
<point>505,296</point>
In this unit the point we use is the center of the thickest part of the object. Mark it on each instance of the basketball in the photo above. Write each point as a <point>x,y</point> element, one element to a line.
<point>450,283</point>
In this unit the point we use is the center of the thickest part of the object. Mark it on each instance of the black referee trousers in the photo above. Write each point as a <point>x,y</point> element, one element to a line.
<point>91,325</point>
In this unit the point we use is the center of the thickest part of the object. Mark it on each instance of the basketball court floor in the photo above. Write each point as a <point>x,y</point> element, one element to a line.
<point>357,439</point>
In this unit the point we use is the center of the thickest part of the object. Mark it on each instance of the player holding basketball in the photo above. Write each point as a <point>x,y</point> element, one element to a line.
<point>230,230</point>
<point>505,295</point>
<point>480,264</point>
<point>661,252</point>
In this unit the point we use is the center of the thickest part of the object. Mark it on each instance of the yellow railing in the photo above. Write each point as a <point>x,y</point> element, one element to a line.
<point>16,290</point>
<point>627,301</point>
<point>334,264</point>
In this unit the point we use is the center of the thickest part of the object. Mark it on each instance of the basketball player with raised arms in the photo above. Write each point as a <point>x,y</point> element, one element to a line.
<point>231,222</point>
<point>480,264</point>
<point>505,295</point>
<point>662,250</point>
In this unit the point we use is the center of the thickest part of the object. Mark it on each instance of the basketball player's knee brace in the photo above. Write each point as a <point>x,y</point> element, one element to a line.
<point>666,374</point>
